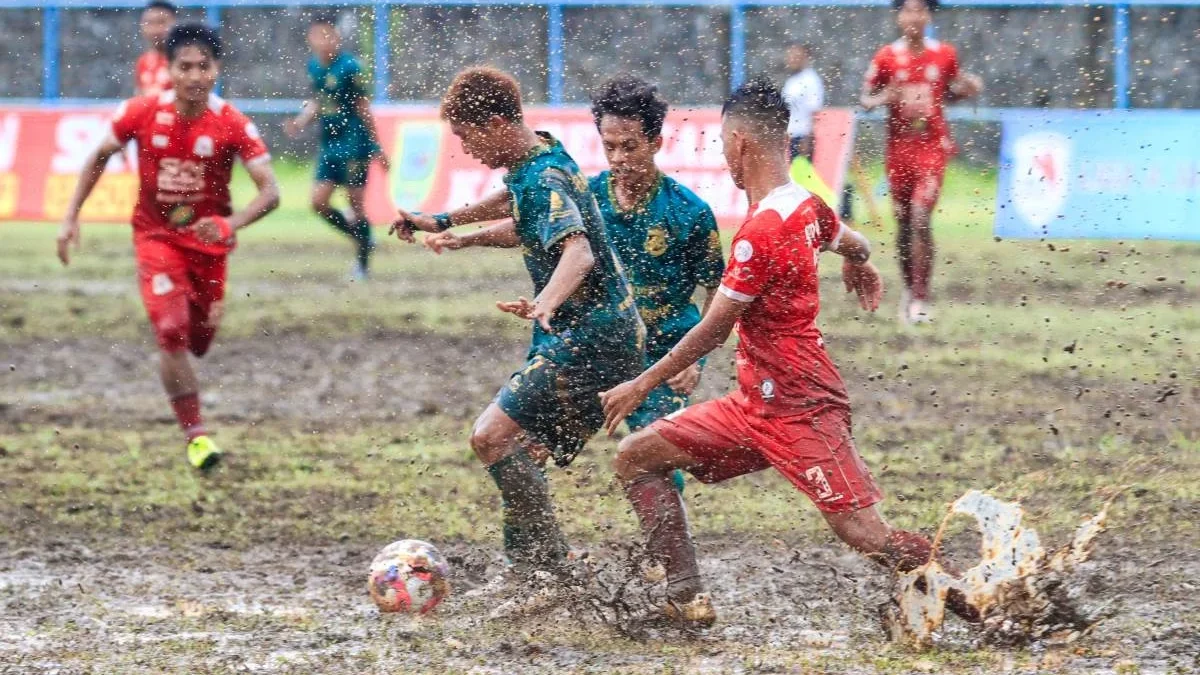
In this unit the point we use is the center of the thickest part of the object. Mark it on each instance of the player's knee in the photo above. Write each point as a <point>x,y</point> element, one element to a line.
<point>487,443</point>
<point>632,455</point>
<point>172,334</point>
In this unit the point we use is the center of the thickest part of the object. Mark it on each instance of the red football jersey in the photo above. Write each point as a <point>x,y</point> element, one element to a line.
<point>184,165</point>
<point>923,80</point>
<point>150,74</point>
<point>782,365</point>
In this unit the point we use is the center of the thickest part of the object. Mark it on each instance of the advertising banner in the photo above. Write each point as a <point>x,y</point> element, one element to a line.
<point>43,150</point>
<point>1104,174</point>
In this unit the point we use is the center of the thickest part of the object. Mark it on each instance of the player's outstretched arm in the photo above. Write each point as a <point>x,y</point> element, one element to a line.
<point>873,96</point>
<point>308,112</point>
<point>496,206</point>
<point>573,266</point>
<point>712,331</point>
<point>858,274</point>
<point>965,86</point>
<point>93,168</point>
<point>500,235</point>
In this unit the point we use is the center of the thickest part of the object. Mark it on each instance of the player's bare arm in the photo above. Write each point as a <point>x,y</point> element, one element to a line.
<point>496,206</point>
<point>873,96</point>
<point>363,107</point>
<point>965,86</point>
<point>858,274</point>
<point>500,235</point>
<point>308,112</point>
<point>93,168</point>
<point>689,378</point>
<point>573,266</point>
<point>210,229</point>
<point>712,332</point>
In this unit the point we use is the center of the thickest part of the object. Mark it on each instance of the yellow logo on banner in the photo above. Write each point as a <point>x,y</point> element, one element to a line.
<point>113,199</point>
<point>9,189</point>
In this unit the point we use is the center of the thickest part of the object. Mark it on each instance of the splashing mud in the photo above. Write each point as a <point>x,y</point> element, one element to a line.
<point>1022,594</point>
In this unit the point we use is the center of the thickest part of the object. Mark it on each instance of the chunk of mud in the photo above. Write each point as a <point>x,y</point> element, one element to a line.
<point>1021,593</point>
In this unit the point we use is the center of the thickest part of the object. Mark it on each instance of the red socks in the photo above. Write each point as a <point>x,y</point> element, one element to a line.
<point>659,507</point>
<point>187,411</point>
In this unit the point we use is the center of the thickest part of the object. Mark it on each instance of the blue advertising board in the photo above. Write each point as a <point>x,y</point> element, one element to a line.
<point>1110,174</point>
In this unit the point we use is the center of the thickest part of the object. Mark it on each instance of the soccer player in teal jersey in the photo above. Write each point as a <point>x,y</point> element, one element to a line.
<point>349,139</point>
<point>663,233</point>
<point>587,335</point>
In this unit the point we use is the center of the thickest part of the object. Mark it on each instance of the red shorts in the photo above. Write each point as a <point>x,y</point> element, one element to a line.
<point>815,452</point>
<point>183,292</point>
<point>915,173</point>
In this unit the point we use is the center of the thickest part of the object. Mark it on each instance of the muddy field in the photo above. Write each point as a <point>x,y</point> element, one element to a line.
<point>345,411</point>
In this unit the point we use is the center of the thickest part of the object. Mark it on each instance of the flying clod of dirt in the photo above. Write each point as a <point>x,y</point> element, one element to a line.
<point>1020,591</point>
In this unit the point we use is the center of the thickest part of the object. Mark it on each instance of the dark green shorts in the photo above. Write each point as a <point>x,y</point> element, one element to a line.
<point>558,402</point>
<point>332,168</point>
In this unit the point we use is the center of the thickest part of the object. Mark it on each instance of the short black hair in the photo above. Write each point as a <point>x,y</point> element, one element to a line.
<point>163,5</point>
<point>323,19</point>
<point>630,96</point>
<point>760,101</point>
<point>197,34</point>
<point>931,4</point>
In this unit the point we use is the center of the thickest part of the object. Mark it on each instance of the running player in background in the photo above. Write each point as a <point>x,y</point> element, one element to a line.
<point>150,76</point>
<point>587,336</point>
<point>791,410</point>
<point>663,233</point>
<point>915,77</point>
<point>183,225</point>
<point>349,139</point>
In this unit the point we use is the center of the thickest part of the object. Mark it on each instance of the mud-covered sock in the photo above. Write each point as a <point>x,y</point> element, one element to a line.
<point>659,508</point>
<point>531,533</point>
<point>337,220</point>
<point>906,551</point>
<point>187,412</point>
<point>365,241</point>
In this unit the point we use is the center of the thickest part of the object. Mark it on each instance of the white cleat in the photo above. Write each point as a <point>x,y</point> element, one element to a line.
<point>919,311</point>
<point>905,307</point>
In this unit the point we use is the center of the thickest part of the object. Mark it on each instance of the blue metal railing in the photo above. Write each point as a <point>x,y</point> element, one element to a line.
<point>555,40</point>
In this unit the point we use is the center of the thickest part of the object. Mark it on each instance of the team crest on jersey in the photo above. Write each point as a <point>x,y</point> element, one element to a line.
<point>164,118</point>
<point>181,215</point>
<point>656,241</point>
<point>330,81</point>
<point>743,251</point>
<point>931,73</point>
<point>1041,173</point>
<point>203,147</point>
<point>902,75</point>
<point>158,141</point>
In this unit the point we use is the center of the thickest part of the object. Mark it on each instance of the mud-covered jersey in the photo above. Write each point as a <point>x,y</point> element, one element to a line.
<point>923,81</point>
<point>338,87</point>
<point>184,165</point>
<point>669,245</point>
<point>551,202</point>
<point>782,365</point>
<point>150,74</point>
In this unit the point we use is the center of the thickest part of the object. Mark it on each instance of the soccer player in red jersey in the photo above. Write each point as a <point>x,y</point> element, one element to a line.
<point>183,225</point>
<point>790,410</point>
<point>150,73</point>
<point>915,77</point>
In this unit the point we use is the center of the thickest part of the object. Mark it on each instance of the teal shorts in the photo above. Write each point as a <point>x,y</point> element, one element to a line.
<point>339,170</point>
<point>557,402</point>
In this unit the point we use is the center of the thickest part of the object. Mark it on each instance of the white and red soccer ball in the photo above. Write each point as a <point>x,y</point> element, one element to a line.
<point>409,576</point>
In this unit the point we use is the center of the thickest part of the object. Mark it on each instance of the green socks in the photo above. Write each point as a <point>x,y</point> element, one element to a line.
<point>532,537</point>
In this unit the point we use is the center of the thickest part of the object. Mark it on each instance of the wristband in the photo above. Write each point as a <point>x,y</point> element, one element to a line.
<point>223,227</point>
<point>443,221</point>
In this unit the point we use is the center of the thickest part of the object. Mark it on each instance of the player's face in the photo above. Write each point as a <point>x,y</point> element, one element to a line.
<point>156,23</point>
<point>626,146</point>
<point>731,146</point>
<point>797,59</point>
<point>193,72</point>
<point>324,40</point>
<point>913,18</point>
<point>479,142</point>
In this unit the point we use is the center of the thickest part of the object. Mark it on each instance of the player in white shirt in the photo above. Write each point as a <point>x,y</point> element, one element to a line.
<point>805,95</point>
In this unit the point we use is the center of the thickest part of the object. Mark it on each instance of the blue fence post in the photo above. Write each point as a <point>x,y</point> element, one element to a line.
<point>555,75</point>
<point>212,16</point>
<point>737,45</point>
<point>1121,56</point>
<point>382,50</point>
<point>50,53</point>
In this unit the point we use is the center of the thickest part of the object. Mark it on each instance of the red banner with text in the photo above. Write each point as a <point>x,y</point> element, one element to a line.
<point>43,150</point>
